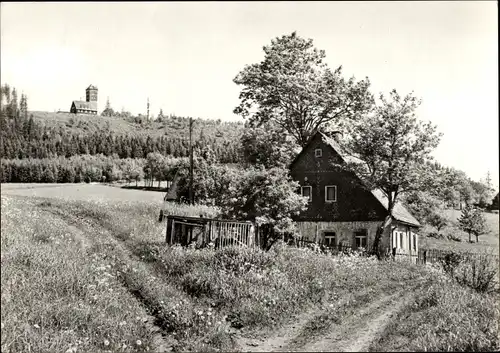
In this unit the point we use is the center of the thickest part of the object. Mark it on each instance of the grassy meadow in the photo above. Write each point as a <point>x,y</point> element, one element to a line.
<point>488,242</point>
<point>85,268</point>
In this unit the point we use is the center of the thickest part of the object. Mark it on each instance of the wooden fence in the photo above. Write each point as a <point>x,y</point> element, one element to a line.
<point>431,256</point>
<point>333,249</point>
<point>422,256</point>
<point>202,231</point>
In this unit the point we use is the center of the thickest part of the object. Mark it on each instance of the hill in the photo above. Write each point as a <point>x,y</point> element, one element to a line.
<point>38,134</point>
<point>487,242</point>
<point>170,126</point>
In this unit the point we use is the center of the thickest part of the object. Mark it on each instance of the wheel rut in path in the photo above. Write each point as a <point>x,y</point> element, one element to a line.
<point>359,330</point>
<point>355,333</point>
<point>80,230</point>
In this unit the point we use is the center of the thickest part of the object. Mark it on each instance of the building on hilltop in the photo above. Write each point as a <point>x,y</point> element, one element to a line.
<point>89,106</point>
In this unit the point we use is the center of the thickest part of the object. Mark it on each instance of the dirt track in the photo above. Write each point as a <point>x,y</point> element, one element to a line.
<point>354,334</point>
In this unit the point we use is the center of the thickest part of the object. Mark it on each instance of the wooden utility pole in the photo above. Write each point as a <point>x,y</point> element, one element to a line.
<point>148,110</point>
<point>191,200</point>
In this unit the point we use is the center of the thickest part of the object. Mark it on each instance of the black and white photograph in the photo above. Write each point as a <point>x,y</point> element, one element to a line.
<point>249,176</point>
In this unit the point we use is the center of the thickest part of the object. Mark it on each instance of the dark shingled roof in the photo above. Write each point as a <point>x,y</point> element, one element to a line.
<point>85,105</point>
<point>400,213</point>
<point>340,150</point>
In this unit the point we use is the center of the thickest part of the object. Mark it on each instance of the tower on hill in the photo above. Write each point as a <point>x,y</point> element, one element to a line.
<point>90,104</point>
<point>91,93</point>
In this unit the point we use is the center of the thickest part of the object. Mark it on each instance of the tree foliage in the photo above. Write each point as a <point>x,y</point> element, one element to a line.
<point>472,221</point>
<point>422,205</point>
<point>437,220</point>
<point>393,147</point>
<point>210,180</point>
<point>267,146</point>
<point>494,202</point>
<point>293,88</point>
<point>268,196</point>
<point>108,111</point>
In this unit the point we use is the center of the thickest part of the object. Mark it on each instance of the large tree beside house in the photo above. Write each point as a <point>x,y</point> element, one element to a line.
<point>294,89</point>
<point>392,148</point>
<point>267,146</point>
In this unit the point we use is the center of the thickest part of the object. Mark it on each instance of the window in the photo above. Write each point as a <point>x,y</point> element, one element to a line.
<point>360,239</point>
<point>307,192</point>
<point>401,240</point>
<point>330,239</point>
<point>318,152</point>
<point>414,242</point>
<point>331,193</point>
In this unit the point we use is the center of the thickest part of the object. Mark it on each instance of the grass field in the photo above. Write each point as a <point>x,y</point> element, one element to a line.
<point>488,242</point>
<point>85,268</point>
<point>83,192</point>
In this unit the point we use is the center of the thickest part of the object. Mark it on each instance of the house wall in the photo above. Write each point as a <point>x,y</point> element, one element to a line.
<point>404,241</point>
<point>354,203</point>
<point>314,231</point>
<point>403,238</point>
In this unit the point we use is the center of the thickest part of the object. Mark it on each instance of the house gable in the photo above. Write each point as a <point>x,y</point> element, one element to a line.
<point>319,170</point>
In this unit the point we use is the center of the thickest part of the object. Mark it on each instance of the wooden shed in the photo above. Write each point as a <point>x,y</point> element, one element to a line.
<point>202,231</point>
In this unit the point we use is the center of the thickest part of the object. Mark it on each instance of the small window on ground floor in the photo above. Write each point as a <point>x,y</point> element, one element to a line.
<point>360,238</point>
<point>330,239</point>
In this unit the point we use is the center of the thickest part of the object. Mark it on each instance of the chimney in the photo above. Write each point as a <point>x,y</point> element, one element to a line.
<point>337,135</point>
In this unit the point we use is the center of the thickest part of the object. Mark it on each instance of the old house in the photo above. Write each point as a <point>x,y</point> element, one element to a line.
<point>341,211</point>
<point>89,106</point>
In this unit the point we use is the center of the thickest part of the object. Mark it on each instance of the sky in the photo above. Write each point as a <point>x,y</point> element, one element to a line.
<point>183,56</point>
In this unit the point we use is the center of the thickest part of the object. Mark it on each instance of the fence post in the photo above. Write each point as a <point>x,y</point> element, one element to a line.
<point>168,230</point>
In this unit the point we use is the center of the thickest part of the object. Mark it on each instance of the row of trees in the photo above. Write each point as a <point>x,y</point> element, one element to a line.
<point>89,168</point>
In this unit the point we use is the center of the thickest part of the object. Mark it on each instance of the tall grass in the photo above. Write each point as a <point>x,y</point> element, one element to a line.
<point>444,316</point>
<point>83,275</point>
<point>57,293</point>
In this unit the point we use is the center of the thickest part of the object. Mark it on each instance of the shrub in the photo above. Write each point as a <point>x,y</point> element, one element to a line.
<point>479,273</point>
<point>443,317</point>
<point>450,262</point>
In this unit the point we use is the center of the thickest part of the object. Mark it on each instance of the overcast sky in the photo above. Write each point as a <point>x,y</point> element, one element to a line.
<point>184,56</point>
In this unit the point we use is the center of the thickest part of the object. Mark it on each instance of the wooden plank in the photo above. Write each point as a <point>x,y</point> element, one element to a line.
<point>173,232</point>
